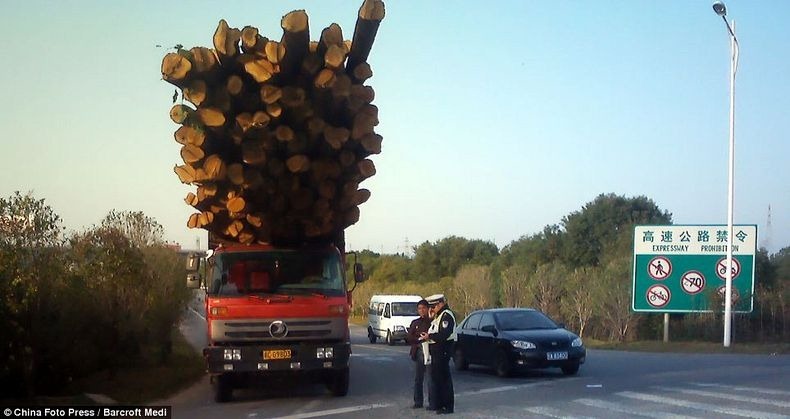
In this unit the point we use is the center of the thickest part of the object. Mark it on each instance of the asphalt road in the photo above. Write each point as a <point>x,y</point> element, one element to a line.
<point>612,384</point>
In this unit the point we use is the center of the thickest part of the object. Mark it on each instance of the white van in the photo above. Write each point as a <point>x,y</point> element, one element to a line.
<point>389,316</point>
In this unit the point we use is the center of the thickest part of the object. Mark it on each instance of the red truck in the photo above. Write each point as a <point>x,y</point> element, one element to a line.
<point>274,311</point>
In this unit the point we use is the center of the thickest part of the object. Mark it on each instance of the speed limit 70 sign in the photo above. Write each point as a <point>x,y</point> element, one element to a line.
<point>680,268</point>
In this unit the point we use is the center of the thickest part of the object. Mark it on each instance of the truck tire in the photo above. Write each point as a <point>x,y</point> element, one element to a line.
<point>390,341</point>
<point>371,335</point>
<point>223,389</point>
<point>338,383</point>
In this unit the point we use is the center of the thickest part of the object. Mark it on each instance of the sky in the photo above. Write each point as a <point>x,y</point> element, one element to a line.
<point>498,117</point>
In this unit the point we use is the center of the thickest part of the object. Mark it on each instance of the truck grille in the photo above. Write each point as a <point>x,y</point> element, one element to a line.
<point>259,330</point>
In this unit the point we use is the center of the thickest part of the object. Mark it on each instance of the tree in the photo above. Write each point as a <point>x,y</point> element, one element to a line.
<point>515,280</point>
<point>140,229</point>
<point>546,287</point>
<point>613,297</point>
<point>446,256</point>
<point>578,303</point>
<point>471,289</point>
<point>30,241</point>
<point>605,225</point>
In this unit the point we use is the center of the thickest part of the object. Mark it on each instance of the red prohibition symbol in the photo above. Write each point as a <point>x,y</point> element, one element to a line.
<point>658,296</point>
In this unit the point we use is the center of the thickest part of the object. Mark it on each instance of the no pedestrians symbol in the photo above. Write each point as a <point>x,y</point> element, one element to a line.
<point>658,296</point>
<point>721,268</point>
<point>692,282</point>
<point>659,268</point>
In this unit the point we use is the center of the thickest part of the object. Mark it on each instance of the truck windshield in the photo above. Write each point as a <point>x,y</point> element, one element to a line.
<point>404,309</point>
<point>282,272</point>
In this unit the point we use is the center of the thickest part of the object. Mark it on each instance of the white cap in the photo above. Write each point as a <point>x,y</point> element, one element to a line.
<point>435,299</point>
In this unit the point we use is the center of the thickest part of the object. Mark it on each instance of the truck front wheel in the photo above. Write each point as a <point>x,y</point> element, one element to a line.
<point>223,389</point>
<point>338,383</point>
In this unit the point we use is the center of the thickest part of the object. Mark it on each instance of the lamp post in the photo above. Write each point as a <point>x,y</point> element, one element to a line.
<point>721,10</point>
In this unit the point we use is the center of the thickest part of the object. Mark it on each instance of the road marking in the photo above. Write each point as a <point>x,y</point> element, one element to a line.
<point>729,396</point>
<point>379,348</point>
<point>741,388</point>
<point>196,313</point>
<point>614,407</point>
<point>701,406</point>
<point>339,411</point>
<point>551,412</point>
<point>511,387</point>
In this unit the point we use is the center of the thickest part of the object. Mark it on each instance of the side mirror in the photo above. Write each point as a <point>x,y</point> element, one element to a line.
<point>193,262</point>
<point>193,280</point>
<point>359,272</point>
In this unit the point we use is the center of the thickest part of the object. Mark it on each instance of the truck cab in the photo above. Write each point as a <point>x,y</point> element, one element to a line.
<point>276,311</point>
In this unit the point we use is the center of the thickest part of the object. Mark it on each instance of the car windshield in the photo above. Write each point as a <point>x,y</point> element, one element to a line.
<point>276,272</point>
<point>404,309</point>
<point>524,320</point>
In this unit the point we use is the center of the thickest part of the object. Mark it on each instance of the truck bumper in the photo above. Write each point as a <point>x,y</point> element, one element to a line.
<point>250,358</point>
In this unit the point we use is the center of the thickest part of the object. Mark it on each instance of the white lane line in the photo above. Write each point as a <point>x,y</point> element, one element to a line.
<point>701,406</point>
<point>742,388</point>
<point>729,396</point>
<point>338,411</point>
<point>380,348</point>
<point>308,406</point>
<point>511,387</point>
<point>196,313</point>
<point>614,407</point>
<point>552,413</point>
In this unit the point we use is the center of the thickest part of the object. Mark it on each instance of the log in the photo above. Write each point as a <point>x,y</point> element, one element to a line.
<point>347,158</point>
<point>235,173</point>
<point>296,40</point>
<point>362,72</point>
<point>226,40</point>
<point>351,216</point>
<point>324,79</point>
<point>259,68</point>
<point>335,57</point>
<point>371,143</point>
<point>274,51</point>
<point>327,189</point>
<point>284,133</point>
<point>191,154</point>
<point>238,204</point>
<point>186,173</point>
<point>366,168</point>
<point>270,93</point>
<point>187,134</point>
<point>195,92</point>
<point>313,62</point>
<point>206,191</point>
<point>255,220</point>
<point>205,218</point>
<point>274,110</point>
<point>214,167</point>
<point>191,199</point>
<point>336,136</point>
<point>292,96</point>
<point>298,163</point>
<point>203,60</point>
<point>211,117</point>
<point>234,85</point>
<point>252,42</point>
<point>180,114</point>
<point>253,153</point>
<point>175,68</point>
<point>331,35</point>
<point>369,17</point>
<point>193,221</point>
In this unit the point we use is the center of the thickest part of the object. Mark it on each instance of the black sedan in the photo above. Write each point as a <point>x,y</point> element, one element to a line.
<point>511,338</point>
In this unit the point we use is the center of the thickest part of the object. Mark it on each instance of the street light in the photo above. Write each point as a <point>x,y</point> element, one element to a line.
<point>721,10</point>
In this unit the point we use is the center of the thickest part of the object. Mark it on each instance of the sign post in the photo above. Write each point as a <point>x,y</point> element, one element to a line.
<point>684,268</point>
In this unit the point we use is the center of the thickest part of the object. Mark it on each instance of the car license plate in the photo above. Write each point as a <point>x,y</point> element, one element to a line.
<point>555,356</point>
<point>277,354</point>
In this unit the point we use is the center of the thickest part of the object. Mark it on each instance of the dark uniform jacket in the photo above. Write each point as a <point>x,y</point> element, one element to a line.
<point>416,327</point>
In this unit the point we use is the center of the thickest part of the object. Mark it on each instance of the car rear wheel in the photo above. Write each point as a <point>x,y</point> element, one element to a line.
<point>502,365</point>
<point>390,341</point>
<point>371,335</point>
<point>459,359</point>
<point>571,368</point>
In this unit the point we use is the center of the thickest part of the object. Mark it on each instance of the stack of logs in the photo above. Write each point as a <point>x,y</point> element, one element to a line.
<point>278,138</point>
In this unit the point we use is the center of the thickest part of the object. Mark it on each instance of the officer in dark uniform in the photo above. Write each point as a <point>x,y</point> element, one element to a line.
<point>417,327</point>
<point>442,337</point>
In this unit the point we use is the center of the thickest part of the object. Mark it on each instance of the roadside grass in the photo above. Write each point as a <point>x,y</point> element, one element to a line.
<point>767,348</point>
<point>151,380</point>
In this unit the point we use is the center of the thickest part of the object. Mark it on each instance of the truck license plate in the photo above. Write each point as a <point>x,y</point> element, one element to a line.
<point>554,356</point>
<point>277,354</point>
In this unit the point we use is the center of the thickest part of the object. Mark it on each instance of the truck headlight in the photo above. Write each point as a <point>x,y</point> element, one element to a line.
<point>319,353</point>
<point>329,353</point>
<point>522,344</point>
<point>576,342</point>
<point>231,354</point>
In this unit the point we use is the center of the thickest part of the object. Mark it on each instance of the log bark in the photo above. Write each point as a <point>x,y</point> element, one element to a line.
<point>296,40</point>
<point>369,17</point>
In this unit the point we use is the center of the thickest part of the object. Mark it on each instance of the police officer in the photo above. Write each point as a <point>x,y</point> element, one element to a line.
<point>442,337</point>
<point>417,327</point>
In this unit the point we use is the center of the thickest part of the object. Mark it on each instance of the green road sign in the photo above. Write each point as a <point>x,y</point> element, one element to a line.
<point>683,268</point>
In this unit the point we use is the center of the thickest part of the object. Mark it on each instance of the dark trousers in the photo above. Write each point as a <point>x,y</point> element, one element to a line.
<point>441,381</point>
<point>421,372</point>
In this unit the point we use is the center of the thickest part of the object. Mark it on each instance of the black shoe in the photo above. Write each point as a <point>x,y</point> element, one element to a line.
<point>444,411</point>
<point>417,406</point>
<point>430,408</point>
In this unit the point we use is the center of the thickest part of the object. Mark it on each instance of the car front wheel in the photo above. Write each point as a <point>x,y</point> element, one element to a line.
<point>502,364</point>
